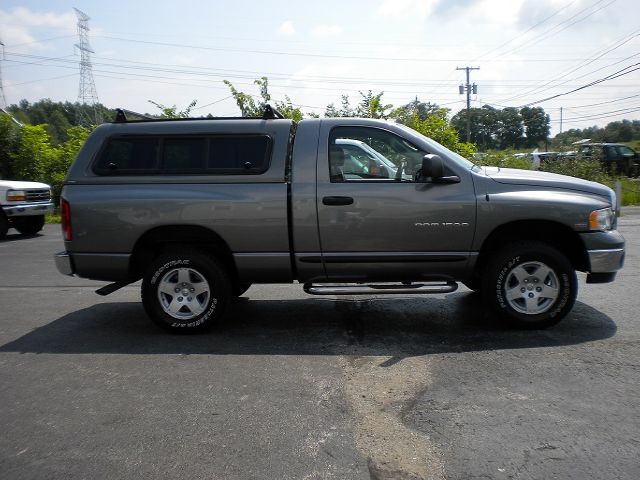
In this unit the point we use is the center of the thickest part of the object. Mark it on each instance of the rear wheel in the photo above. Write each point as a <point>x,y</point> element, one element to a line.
<point>185,291</point>
<point>530,285</point>
<point>29,225</point>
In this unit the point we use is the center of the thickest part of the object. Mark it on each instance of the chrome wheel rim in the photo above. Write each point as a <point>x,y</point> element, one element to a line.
<point>531,288</point>
<point>183,293</point>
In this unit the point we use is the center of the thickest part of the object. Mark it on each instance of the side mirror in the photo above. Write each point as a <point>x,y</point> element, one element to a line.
<point>433,171</point>
<point>432,166</point>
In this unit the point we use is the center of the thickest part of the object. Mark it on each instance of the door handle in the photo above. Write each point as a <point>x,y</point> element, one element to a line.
<point>337,201</point>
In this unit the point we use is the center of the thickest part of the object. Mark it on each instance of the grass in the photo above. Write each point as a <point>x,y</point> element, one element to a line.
<point>52,218</point>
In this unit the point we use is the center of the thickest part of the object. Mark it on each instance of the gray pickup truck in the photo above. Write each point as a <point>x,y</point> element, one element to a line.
<point>200,209</point>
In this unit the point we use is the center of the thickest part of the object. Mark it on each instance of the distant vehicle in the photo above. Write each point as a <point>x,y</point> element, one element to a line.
<point>362,158</point>
<point>24,205</point>
<point>538,158</point>
<point>615,157</point>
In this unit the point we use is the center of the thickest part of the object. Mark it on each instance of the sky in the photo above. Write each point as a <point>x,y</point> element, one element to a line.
<point>545,53</point>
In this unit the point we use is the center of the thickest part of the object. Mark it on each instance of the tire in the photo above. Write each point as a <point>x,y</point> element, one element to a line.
<point>240,288</point>
<point>529,285</point>
<point>4,225</point>
<point>30,225</point>
<point>204,291</point>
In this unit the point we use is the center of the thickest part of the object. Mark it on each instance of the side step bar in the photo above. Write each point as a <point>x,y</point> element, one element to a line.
<point>379,289</point>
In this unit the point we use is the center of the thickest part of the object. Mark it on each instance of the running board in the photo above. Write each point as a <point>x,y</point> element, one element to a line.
<point>379,289</point>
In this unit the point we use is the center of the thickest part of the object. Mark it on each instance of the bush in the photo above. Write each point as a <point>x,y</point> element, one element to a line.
<point>504,159</point>
<point>586,168</point>
<point>28,154</point>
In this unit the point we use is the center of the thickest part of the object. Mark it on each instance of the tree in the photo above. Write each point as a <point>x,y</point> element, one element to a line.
<point>58,116</point>
<point>250,108</point>
<point>61,161</point>
<point>485,126</point>
<point>510,128</point>
<point>172,112</point>
<point>536,125</point>
<point>371,106</point>
<point>345,111</point>
<point>618,131</point>
<point>9,134</point>
<point>423,110</point>
<point>436,127</point>
<point>33,153</point>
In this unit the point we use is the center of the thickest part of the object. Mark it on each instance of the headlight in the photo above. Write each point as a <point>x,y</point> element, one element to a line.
<point>16,196</point>
<point>601,219</point>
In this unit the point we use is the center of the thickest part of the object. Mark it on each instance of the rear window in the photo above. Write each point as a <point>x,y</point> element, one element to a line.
<point>194,155</point>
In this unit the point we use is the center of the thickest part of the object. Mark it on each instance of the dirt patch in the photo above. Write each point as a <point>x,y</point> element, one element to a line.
<point>380,390</point>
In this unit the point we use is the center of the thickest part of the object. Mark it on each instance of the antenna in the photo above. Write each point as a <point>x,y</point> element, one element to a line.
<point>87,95</point>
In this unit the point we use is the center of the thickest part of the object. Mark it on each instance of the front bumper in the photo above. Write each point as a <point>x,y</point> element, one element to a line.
<point>605,261</point>
<point>64,263</point>
<point>605,252</point>
<point>27,209</point>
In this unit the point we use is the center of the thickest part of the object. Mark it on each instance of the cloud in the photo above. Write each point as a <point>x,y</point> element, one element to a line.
<point>19,23</point>
<point>403,8</point>
<point>286,29</point>
<point>325,30</point>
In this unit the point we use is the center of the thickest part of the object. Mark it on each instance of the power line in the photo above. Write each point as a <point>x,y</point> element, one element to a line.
<point>612,76</point>
<point>614,46</point>
<point>225,74</point>
<point>525,32</point>
<point>549,33</point>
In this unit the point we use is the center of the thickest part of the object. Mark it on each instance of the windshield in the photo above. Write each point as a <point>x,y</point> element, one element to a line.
<point>438,148</point>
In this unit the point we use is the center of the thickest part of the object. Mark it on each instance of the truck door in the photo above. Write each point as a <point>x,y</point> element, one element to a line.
<point>380,224</point>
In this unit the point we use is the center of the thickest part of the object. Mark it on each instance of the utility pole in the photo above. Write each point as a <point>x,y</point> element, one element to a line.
<point>469,88</point>
<point>560,119</point>
<point>87,94</point>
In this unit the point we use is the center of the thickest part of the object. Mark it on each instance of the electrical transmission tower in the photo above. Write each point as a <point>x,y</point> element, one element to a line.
<point>3,99</point>
<point>88,113</point>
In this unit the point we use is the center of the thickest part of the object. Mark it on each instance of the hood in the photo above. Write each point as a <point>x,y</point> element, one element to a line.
<point>19,185</point>
<point>535,178</point>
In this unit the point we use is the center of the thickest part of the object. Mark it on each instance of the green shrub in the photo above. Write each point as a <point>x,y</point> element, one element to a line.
<point>586,168</point>
<point>504,159</point>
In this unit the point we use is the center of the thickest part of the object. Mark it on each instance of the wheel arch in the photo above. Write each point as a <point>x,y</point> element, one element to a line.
<point>552,233</point>
<point>161,239</point>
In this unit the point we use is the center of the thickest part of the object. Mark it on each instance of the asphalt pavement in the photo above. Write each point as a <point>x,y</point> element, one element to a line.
<point>290,386</point>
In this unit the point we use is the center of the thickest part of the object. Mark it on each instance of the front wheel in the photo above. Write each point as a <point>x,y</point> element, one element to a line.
<point>4,225</point>
<point>185,291</point>
<point>29,225</point>
<point>530,285</point>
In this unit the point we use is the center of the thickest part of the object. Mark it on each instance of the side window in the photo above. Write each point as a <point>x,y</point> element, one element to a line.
<point>204,155</point>
<point>183,154</point>
<point>626,151</point>
<point>128,155</point>
<point>371,154</point>
<point>246,154</point>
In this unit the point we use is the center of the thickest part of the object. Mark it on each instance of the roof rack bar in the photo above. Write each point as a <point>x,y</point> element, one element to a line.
<point>271,113</point>
<point>122,118</point>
